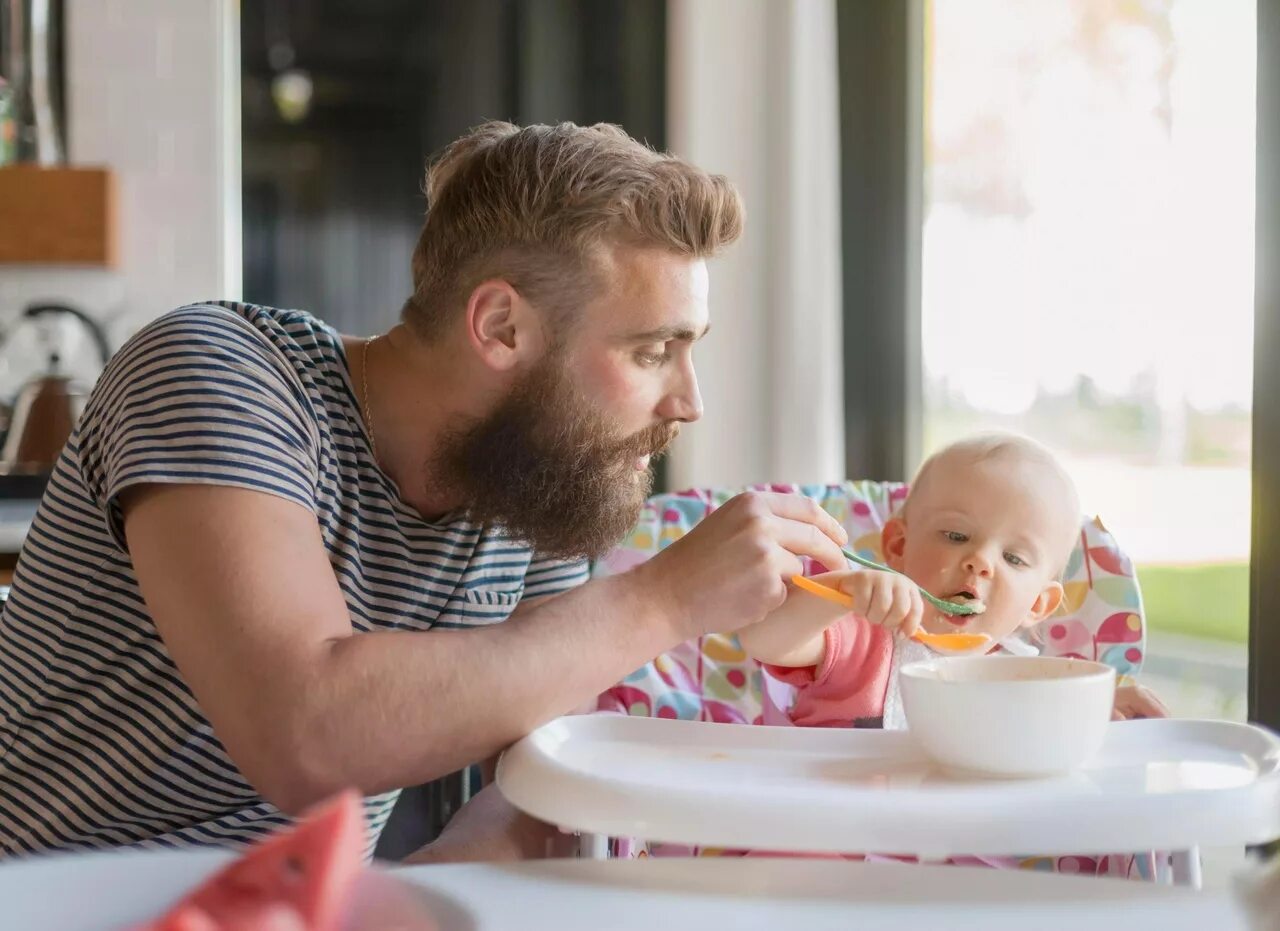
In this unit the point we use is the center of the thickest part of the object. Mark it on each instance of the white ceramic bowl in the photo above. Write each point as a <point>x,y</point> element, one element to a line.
<point>1008,715</point>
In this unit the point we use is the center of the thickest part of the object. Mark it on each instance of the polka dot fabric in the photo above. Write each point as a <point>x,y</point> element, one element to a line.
<point>711,679</point>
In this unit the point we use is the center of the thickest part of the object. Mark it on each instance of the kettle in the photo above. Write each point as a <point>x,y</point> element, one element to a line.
<point>49,405</point>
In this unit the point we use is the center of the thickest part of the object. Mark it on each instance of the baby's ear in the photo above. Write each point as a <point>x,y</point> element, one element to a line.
<point>1048,601</point>
<point>893,542</point>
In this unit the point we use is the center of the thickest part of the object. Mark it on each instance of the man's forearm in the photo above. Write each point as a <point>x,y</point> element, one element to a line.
<point>390,709</point>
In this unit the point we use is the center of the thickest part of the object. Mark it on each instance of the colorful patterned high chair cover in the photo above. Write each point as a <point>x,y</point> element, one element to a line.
<point>712,679</point>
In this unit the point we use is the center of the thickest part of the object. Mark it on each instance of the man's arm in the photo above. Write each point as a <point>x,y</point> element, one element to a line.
<point>244,597</point>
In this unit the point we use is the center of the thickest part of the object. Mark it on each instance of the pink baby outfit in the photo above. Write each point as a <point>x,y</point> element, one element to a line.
<point>848,688</point>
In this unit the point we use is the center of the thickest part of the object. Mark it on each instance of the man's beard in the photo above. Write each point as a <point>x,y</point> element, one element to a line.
<point>549,468</point>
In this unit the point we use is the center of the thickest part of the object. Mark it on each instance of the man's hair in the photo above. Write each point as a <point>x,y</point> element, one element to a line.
<point>533,205</point>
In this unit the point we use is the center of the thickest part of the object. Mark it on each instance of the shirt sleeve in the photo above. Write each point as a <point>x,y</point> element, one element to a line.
<point>850,682</point>
<point>198,397</point>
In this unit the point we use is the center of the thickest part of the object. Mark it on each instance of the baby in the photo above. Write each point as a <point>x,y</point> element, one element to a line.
<point>992,519</point>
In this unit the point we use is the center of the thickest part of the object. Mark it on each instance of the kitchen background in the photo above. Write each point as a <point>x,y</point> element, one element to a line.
<point>959,218</point>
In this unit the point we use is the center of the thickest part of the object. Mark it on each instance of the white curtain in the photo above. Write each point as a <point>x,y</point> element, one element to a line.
<point>752,93</point>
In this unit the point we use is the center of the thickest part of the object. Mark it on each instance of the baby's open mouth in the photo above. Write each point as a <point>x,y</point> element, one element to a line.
<point>964,596</point>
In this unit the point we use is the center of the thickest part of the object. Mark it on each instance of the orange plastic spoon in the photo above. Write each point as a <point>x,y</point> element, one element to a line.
<point>959,642</point>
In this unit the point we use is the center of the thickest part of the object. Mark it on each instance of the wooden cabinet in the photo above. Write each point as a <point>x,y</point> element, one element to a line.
<point>57,216</point>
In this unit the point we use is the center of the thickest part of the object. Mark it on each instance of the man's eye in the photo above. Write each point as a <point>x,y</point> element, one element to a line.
<point>1014,560</point>
<point>651,358</point>
<point>955,536</point>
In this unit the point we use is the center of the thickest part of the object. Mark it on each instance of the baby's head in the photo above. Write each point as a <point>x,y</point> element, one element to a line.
<point>993,517</point>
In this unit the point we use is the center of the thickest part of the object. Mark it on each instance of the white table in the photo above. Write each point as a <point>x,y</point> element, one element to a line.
<point>107,891</point>
<point>1156,785</point>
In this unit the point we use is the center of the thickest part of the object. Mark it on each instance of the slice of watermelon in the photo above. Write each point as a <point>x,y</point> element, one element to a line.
<point>300,879</point>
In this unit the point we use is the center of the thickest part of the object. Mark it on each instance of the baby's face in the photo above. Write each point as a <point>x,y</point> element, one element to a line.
<point>997,531</point>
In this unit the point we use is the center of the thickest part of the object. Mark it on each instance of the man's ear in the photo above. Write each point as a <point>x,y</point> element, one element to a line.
<point>501,326</point>
<point>893,542</point>
<point>1048,601</point>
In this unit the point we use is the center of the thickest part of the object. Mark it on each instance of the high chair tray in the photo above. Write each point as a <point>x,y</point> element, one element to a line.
<point>1156,784</point>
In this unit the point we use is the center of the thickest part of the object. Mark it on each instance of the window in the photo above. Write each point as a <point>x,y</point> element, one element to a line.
<point>1088,250</point>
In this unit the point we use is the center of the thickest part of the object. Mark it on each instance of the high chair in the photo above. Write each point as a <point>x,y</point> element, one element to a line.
<point>712,679</point>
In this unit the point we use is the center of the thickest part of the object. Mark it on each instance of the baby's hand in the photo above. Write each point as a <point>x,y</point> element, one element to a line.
<point>1134,701</point>
<point>887,599</point>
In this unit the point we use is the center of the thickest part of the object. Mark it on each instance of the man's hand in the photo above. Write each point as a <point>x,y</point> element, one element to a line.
<point>731,569</point>
<point>489,829</point>
<point>1134,701</point>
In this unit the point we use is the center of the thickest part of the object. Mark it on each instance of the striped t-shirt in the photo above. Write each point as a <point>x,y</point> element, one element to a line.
<point>101,741</point>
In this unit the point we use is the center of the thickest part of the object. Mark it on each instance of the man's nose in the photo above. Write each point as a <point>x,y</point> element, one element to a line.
<point>684,401</point>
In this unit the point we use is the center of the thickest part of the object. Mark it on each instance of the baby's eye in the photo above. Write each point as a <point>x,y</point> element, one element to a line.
<point>1014,559</point>
<point>955,536</point>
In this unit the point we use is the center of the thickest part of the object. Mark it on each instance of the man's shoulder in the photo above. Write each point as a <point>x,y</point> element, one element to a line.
<point>272,323</point>
<point>287,340</point>
<point>222,347</point>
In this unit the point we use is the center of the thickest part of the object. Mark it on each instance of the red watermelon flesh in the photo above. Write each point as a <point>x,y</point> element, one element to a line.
<point>300,879</point>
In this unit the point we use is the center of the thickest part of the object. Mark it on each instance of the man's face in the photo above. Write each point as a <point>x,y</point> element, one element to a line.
<point>630,353</point>
<point>563,462</point>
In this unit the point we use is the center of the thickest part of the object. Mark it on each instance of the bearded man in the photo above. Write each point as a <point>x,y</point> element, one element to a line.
<point>275,561</point>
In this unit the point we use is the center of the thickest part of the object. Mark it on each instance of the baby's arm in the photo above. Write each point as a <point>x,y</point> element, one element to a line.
<point>792,634</point>
<point>1135,701</point>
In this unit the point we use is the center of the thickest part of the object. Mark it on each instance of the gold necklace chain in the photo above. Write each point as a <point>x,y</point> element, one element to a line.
<point>364,389</point>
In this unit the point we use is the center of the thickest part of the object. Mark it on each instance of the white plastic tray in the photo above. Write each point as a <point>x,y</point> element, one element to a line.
<point>1156,784</point>
<point>120,889</point>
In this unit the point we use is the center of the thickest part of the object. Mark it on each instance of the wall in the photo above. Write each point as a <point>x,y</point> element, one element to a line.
<point>752,94</point>
<point>152,92</point>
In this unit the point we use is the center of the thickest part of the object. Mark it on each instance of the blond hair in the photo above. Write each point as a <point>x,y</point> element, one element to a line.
<point>532,205</point>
